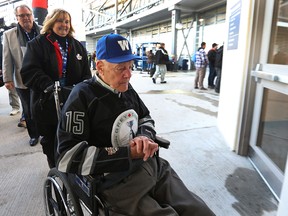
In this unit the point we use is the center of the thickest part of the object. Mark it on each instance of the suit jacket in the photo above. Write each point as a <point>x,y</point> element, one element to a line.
<point>13,54</point>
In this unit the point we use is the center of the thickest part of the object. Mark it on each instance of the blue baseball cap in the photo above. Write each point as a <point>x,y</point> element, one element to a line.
<point>115,49</point>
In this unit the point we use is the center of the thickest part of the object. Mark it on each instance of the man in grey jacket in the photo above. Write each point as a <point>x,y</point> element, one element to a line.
<point>14,47</point>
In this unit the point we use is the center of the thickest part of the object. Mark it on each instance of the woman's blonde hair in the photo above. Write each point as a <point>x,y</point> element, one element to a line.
<point>52,18</point>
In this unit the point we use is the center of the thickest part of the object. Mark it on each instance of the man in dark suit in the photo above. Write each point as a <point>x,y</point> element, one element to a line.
<point>212,72</point>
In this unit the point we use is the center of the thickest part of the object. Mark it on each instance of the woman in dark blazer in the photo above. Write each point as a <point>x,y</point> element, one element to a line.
<point>55,55</point>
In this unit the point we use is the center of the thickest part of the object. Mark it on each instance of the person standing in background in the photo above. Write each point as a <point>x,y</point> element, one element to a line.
<point>14,47</point>
<point>13,97</point>
<point>212,72</point>
<point>150,62</point>
<point>200,64</point>
<point>161,59</point>
<point>218,67</point>
<point>54,55</point>
<point>93,60</point>
<point>14,101</point>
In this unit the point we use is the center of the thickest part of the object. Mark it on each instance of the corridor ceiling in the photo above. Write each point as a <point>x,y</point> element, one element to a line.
<point>155,15</point>
<point>5,2</point>
<point>158,14</point>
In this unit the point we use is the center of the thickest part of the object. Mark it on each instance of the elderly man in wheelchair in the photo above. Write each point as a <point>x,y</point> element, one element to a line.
<point>105,131</point>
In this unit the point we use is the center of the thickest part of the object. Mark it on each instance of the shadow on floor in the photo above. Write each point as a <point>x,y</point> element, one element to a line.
<point>245,186</point>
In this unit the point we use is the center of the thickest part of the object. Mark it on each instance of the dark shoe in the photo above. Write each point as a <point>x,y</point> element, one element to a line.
<point>163,82</point>
<point>33,141</point>
<point>196,87</point>
<point>22,123</point>
<point>44,141</point>
<point>202,88</point>
<point>154,81</point>
<point>211,87</point>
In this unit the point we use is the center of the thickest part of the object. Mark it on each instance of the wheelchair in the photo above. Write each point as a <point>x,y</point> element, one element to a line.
<point>67,194</point>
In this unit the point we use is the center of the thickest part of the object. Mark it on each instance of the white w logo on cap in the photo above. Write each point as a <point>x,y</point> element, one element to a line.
<point>124,44</point>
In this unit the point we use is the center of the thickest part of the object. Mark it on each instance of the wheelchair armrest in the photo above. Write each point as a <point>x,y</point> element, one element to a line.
<point>162,142</point>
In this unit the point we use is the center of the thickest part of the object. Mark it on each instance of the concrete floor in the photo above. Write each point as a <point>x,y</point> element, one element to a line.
<point>188,118</point>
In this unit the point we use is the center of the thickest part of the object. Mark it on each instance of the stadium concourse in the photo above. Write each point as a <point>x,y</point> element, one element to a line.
<point>187,117</point>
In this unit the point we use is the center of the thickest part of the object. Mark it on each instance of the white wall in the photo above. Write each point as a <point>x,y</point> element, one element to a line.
<point>234,72</point>
<point>215,34</point>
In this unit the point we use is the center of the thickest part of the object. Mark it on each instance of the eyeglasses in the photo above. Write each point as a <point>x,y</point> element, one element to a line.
<point>24,15</point>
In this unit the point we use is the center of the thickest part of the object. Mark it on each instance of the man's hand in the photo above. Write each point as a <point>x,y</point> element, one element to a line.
<point>142,147</point>
<point>9,85</point>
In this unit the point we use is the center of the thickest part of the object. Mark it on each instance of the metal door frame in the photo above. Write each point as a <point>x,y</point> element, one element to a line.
<point>272,77</point>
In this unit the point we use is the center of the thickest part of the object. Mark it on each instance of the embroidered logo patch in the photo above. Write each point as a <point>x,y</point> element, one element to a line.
<point>79,57</point>
<point>124,128</point>
<point>124,44</point>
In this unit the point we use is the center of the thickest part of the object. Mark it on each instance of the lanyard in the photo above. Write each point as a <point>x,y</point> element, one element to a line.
<point>28,36</point>
<point>64,54</point>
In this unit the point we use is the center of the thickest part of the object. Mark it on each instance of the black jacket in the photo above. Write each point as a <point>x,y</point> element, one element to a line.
<point>161,56</point>
<point>212,56</point>
<point>219,57</point>
<point>42,66</point>
<point>95,129</point>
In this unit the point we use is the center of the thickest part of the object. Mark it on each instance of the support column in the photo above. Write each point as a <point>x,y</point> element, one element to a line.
<point>40,11</point>
<point>116,17</point>
<point>197,33</point>
<point>175,18</point>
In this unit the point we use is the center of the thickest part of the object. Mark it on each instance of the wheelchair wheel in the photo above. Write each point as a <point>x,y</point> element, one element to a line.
<point>58,196</point>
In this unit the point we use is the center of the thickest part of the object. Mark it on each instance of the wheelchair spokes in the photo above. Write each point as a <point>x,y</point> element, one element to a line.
<point>59,198</point>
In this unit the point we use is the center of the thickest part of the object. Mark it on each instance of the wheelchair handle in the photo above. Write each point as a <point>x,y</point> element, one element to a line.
<point>53,87</point>
<point>49,89</point>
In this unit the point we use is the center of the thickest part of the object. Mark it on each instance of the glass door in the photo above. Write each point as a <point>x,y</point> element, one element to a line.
<point>273,127</point>
<point>269,134</point>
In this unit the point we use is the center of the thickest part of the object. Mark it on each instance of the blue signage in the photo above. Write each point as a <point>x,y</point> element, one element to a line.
<point>234,25</point>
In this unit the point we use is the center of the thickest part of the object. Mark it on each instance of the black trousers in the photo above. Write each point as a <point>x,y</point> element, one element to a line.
<point>212,75</point>
<point>24,95</point>
<point>48,141</point>
<point>218,80</point>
